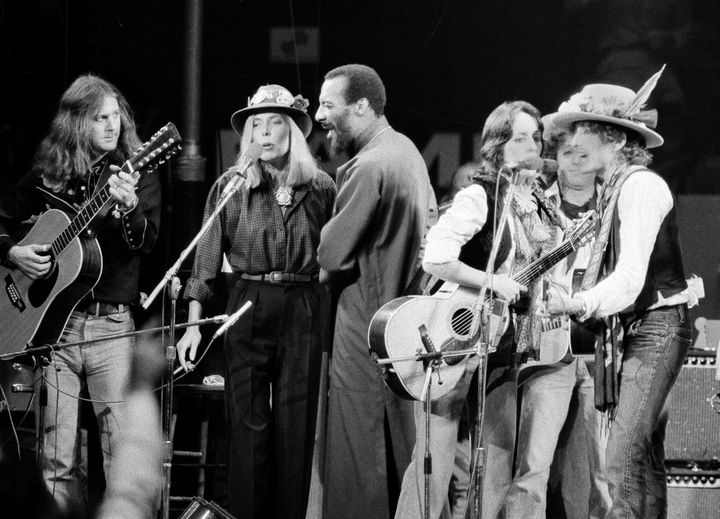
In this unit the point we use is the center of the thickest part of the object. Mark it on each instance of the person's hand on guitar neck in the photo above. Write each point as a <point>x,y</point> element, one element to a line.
<point>506,288</point>
<point>122,188</point>
<point>558,302</point>
<point>34,260</point>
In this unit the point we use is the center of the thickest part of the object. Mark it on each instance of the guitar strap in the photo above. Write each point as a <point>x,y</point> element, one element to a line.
<point>609,339</point>
<point>103,178</point>
<point>547,206</point>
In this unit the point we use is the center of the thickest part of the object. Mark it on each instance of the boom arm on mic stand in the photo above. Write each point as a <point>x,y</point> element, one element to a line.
<point>251,155</point>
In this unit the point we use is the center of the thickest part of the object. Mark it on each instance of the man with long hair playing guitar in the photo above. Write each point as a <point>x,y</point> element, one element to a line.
<point>91,135</point>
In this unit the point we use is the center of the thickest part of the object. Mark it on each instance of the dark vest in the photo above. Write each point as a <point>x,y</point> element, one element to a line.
<point>476,252</point>
<point>665,271</point>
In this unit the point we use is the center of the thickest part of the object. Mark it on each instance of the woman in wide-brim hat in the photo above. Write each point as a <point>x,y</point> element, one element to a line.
<point>268,232</point>
<point>638,285</point>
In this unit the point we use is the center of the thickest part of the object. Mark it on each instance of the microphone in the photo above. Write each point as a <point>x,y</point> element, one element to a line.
<point>536,164</point>
<point>251,155</point>
<point>231,320</point>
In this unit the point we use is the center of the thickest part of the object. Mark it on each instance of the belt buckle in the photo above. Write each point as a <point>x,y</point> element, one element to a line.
<point>275,277</point>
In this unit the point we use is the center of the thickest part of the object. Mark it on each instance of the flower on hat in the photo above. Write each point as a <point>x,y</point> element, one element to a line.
<point>581,102</point>
<point>300,103</point>
<point>278,96</point>
<point>284,99</point>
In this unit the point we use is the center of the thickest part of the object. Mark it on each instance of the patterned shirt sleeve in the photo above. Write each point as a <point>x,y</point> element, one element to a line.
<point>208,255</point>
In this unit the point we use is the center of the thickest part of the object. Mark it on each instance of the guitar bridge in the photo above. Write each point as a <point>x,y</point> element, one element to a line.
<point>13,293</point>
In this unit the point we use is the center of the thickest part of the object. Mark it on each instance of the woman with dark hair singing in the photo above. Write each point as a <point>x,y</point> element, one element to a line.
<point>457,250</point>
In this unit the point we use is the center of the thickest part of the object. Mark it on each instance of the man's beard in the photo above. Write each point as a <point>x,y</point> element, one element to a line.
<point>340,136</point>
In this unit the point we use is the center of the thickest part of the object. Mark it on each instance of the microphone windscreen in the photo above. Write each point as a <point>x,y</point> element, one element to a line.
<point>253,151</point>
<point>535,163</point>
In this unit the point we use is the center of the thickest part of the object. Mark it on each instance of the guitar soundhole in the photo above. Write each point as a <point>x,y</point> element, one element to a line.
<point>460,321</point>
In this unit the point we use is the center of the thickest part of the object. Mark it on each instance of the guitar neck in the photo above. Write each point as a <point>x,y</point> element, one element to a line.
<point>83,218</point>
<point>536,268</point>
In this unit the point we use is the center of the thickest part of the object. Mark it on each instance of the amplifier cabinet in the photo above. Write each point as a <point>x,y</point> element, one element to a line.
<point>693,427</point>
<point>693,494</point>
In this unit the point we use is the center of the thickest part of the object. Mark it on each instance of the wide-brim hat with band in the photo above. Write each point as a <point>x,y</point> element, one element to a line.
<point>274,98</point>
<point>612,104</point>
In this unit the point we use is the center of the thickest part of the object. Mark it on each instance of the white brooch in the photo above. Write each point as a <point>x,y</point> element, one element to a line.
<point>283,195</point>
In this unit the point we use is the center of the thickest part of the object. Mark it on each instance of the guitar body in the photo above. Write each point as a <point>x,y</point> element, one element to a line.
<point>562,335</point>
<point>447,321</point>
<point>448,317</point>
<point>36,311</point>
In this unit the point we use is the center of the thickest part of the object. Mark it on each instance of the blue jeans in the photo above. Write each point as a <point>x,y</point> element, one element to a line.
<point>105,367</point>
<point>546,398</point>
<point>655,346</point>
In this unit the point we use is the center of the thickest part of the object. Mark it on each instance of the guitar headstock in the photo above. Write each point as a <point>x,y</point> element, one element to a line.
<point>163,144</point>
<point>584,230</point>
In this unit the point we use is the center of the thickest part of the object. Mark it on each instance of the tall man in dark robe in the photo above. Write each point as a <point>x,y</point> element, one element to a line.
<point>369,252</point>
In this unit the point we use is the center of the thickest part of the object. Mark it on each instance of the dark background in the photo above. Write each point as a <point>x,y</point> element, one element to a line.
<point>446,64</point>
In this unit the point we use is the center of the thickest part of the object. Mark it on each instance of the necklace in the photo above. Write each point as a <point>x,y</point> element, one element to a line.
<point>378,133</point>
<point>283,195</point>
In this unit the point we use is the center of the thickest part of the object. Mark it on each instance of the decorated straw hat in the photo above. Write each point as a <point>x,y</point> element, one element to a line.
<point>274,98</point>
<point>611,104</point>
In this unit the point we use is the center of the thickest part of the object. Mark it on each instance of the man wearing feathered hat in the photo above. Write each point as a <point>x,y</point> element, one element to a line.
<point>634,284</point>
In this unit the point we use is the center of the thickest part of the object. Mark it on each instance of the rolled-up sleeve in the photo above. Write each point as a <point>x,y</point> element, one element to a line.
<point>457,225</point>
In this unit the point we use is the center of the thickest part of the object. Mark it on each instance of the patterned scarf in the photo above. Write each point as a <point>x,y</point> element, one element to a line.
<point>533,238</point>
<point>608,342</point>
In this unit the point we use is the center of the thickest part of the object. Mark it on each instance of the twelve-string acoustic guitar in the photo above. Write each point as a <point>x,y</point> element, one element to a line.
<point>35,312</point>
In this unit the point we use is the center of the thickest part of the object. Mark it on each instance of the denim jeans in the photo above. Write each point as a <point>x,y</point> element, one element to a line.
<point>654,349</point>
<point>105,367</point>
<point>546,399</point>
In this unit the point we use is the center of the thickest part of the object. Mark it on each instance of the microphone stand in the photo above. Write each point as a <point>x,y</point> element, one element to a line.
<point>47,348</point>
<point>228,192</point>
<point>432,362</point>
<point>44,361</point>
<point>230,189</point>
<point>484,346</point>
<point>167,397</point>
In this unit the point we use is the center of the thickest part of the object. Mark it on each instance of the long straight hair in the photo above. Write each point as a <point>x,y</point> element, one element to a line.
<point>498,131</point>
<point>66,152</point>
<point>301,165</point>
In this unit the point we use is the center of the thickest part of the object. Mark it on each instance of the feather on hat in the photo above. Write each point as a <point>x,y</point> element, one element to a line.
<point>613,104</point>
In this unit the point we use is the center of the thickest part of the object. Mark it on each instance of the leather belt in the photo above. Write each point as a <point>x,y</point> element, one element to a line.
<point>101,308</point>
<point>279,277</point>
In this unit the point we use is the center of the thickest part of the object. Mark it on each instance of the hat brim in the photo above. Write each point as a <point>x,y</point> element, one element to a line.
<point>565,119</point>
<point>301,118</point>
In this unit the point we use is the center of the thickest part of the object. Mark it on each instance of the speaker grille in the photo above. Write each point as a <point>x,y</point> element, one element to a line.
<point>693,428</point>
<point>693,493</point>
